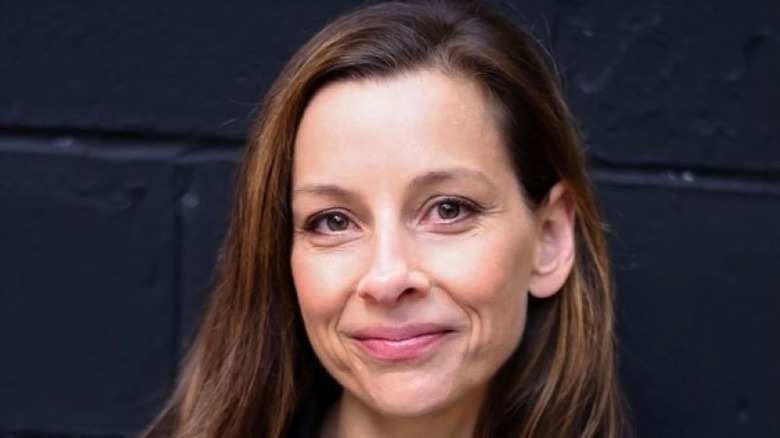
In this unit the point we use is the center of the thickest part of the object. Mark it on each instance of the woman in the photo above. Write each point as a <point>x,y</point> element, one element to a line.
<point>414,250</point>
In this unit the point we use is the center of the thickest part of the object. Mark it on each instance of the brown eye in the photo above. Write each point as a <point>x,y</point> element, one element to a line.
<point>448,210</point>
<point>336,222</point>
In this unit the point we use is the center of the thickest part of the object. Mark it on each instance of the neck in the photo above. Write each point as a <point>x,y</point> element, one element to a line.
<point>351,418</point>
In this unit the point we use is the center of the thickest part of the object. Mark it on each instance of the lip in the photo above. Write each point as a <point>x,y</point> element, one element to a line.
<point>401,343</point>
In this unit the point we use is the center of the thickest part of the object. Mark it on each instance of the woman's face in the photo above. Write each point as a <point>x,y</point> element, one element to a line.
<point>414,250</point>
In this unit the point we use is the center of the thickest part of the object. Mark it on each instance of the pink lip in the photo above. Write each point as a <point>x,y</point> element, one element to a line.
<point>394,344</point>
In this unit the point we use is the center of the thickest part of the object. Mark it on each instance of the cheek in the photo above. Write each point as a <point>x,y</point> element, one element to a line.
<point>319,305</point>
<point>484,270</point>
<point>320,285</point>
<point>488,279</point>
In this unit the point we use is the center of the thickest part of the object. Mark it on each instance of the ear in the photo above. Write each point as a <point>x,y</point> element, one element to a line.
<point>555,245</point>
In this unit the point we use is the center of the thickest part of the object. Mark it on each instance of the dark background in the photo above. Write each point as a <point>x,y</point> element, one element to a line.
<point>121,123</point>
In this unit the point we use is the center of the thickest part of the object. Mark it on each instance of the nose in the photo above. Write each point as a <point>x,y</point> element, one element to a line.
<point>392,274</point>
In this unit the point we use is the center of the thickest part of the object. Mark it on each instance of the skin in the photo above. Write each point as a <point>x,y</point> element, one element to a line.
<point>406,211</point>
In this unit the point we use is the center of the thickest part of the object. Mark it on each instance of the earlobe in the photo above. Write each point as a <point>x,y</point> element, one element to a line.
<point>555,244</point>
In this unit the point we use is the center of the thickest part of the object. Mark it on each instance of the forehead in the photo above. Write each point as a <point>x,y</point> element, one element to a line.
<point>414,121</point>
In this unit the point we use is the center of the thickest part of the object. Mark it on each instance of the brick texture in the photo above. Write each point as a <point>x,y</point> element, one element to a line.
<point>121,126</point>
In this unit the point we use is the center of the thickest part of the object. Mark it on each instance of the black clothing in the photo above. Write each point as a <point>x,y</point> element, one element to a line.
<point>307,422</point>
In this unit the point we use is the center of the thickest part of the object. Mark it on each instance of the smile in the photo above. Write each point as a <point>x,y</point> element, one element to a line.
<point>397,344</point>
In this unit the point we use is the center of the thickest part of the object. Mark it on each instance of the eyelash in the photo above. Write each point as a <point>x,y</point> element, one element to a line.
<point>470,207</point>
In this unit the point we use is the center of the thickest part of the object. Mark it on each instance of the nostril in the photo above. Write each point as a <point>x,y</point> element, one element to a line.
<point>392,272</point>
<point>389,289</point>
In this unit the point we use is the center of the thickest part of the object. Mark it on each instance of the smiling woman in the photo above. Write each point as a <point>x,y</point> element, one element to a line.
<point>414,251</point>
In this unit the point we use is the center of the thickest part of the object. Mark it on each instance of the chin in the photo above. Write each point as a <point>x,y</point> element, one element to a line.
<point>407,406</point>
<point>402,395</point>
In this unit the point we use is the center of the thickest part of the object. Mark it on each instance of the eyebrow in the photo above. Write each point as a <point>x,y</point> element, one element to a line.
<point>418,183</point>
<point>446,175</point>
<point>323,189</point>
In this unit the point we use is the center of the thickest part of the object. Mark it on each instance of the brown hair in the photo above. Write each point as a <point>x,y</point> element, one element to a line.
<point>251,365</point>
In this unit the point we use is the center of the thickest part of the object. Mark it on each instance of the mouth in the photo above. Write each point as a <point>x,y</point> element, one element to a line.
<point>403,343</point>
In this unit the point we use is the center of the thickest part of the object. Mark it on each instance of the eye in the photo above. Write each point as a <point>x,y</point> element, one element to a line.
<point>328,223</point>
<point>336,222</point>
<point>450,210</point>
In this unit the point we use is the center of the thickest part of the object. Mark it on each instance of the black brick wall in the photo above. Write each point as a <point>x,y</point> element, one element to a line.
<point>121,123</point>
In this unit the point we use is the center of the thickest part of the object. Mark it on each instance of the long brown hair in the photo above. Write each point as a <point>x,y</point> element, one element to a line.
<point>251,365</point>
